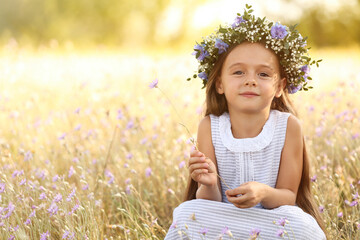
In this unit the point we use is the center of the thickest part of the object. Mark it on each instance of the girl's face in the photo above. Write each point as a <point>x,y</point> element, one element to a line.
<point>250,78</point>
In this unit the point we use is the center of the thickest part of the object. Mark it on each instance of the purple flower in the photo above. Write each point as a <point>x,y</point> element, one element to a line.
<point>2,187</point>
<point>119,114</point>
<point>293,89</point>
<point>355,196</point>
<point>203,75</point>
<point>340,214</point>
<point>71,195</point>
<point>71,171</point>
<point>77,128</point>
<point>282,221</point>
<point>280,233</point>
<point>173,225</point>
<point>55,178</point>
<point>53,209</point>
<point>74,209</point>
<point>321,209</point>
<point>238,20</point>
<point>128,190</point>
<point>85,187</point>
<point>154,83</point>
<point>27,222</point>
<point>201,49</point>
<point>28,156</point>
<point>219,44</point>
<point>22,182</point>
<point>130,124</point>
<point>127,181</point>
<point>353,203</point>
<point>77,110</point>
<point>10,209</point>
<point>182,164</point>
<point>204,231</point>
<point>32,214</point>
<point>57,198</point>
<point>42,196</point>
<point>12,237</point>
<point>278,31</point>
<point>226,231</point>
<point>62,136</point>
<point>313,179</point>
<point>148,172</point>
<point>255,232</point>
<point>44,236</point>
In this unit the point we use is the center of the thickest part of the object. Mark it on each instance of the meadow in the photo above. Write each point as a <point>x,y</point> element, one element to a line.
<point>89,151</point>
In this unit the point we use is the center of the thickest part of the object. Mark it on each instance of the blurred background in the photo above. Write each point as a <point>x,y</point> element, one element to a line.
<point>141,25</point>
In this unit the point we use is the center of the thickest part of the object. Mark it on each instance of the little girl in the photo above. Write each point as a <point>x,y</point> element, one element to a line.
<point>249,176</point>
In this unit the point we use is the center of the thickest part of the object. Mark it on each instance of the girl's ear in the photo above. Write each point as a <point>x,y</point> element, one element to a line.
<point>219,86</point>
<point>281,87</point>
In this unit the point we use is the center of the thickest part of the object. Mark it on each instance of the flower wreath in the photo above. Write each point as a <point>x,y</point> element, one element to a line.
<point>285,41</point>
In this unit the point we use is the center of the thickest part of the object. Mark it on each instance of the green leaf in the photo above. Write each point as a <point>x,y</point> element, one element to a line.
<point>310,78</point>
<point>188,79</point>
<point>223,30</point>
<point>250,11</point>
<point>270,24</point>
<point>194,76</point>
<point>319,60</point>
<point>248,6</point>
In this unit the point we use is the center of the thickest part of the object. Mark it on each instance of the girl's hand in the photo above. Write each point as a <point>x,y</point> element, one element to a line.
<point>202,169</point>
<point>246,195</point>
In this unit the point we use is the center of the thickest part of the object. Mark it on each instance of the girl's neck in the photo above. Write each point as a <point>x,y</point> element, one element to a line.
<point>248,125</point>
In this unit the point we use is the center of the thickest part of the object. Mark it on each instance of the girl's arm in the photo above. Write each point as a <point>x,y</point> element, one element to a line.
<point>204,140</point>
<point>290,169</point>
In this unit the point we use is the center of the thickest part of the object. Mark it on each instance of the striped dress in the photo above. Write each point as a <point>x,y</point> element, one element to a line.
<point>240,161</point>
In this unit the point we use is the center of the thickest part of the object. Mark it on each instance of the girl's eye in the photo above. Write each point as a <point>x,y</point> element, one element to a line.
<point>238,72</point>
<point>264,74</point>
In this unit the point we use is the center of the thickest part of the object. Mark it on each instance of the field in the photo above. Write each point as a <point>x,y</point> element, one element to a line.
<point>89,151</point>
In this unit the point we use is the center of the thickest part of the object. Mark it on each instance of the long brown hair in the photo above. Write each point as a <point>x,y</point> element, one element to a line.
<point>216,104</point>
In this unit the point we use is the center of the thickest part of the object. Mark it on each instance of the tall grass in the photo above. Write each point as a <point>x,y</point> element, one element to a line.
<point>88,151</point>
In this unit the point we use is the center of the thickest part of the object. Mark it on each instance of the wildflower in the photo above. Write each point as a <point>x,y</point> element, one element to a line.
<point>278,31</point>
<point>182,164</point>
<point>42,196</point>
<point>226,231</point>
<point>321,209</point>
<point>129,156</point>
<point>109,175</point>
<point>282,221</point>
<point>254,233</point>
<point>74,209</point>
<point>10,209</point>
<point>173,225</point>
<point>204,231</point>
<point>71,195</point>
<point>2,187</point>
<point>62,136</point>
<point>203,75</point>
<point>171,191</point>
<point>154,83</point>
<point>55,178</point>
<point>128,190</point>
<point>53,209</point>
<point>355,196</point>
<point>58,198</point>
<point>119,114</point>
<point>353,203</point>
<point>22,182</point>
<point>28,156</point>
<point>293,89</point>
<point>71,171</point>
<point>78,127</point>
<point>280,233</point>
<point>340,214</point>
<point>238,21</point>
<point>127,181</point>
<point>77,110</point>
<point>219,44</point>
<point>200,52</point>
<point>27,222</point>
<point>130,124</point>
<point>85,187</point>
<point>12,237</point>
<point>148,172</point>
<point>32,214</point>
<point>313,179</point>
<point>44,236</point>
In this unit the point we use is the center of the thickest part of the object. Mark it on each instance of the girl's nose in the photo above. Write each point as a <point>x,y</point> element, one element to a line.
<point>250,82</point>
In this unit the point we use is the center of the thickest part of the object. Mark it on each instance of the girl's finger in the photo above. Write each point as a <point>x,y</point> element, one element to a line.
<point>197,172</point>
<point>196,166</point>
<point>196,160</point>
